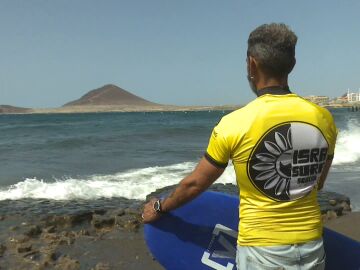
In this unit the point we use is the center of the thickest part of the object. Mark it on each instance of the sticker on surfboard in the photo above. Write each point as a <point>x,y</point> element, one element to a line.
<point>222,247</point>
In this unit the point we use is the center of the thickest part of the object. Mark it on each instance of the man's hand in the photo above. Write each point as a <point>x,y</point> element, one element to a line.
<point>149,214</point>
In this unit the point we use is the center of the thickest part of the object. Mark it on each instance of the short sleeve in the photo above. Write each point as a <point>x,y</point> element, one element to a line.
<point>217,152</point>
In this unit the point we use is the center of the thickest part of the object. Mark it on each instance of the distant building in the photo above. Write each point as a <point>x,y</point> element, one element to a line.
<point>341,100</point>
<point>318,99</point>
<point>353,97</point>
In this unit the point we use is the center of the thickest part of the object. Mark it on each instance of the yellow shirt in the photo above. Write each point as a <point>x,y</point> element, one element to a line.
<point>278,145</point>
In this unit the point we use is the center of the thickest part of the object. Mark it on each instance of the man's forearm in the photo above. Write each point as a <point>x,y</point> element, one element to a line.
<point>192,185</point>
<point>187,190</point>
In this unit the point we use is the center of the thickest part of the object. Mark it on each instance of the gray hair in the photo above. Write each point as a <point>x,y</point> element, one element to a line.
<point>273,46</point>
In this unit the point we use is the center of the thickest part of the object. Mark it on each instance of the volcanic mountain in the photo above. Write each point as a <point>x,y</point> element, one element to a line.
<point>109,95</point>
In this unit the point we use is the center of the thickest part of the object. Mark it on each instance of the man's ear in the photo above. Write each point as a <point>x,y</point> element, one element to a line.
<point>253,66</point>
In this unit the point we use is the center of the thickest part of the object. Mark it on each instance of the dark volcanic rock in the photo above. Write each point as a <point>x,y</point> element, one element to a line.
<point>33,231</point>
<point>67,263</point>
<point>99,221</point>
<point>2,249</point>
<point>24,247</point>
<point>102,266</point>
<point>69,220</point>
<point>19,239</point>
<point>131,223</point>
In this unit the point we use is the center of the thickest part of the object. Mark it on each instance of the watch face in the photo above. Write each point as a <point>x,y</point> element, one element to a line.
<point>157,206</point>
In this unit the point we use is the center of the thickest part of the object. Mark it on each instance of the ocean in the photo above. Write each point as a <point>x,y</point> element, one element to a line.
<point>67,157</point>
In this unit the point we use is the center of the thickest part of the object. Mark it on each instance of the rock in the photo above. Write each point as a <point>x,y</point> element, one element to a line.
<point>67,238</point>
<point>116,212</point>
<point>2,249</point>
<point>50,229</point>
<point>332,202</point>
<point>132,211</point>
<point>50,238</point>
<point>69,220</point>
<point>33,231</point>
<point>44,265</point>
<point>64,241</point>
<point>83,232</point>
<point>51,256</point>
<point>346,206</point>
<point>102,221</point>
<point>131,223</point>
<point>33,255</point>
<point>65,262</point>
<point>19,239</point>
<point>24,247</point>
<point>13,228</point>
<point>99,211</point>
<point>101,266</point>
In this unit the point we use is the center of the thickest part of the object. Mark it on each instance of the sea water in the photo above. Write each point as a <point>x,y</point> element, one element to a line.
<point>111,155</point>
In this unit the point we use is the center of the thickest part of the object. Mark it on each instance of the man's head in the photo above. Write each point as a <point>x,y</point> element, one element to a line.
<point>271,51</point>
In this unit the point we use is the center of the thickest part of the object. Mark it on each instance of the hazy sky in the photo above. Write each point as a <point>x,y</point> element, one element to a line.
<point>184,52</point>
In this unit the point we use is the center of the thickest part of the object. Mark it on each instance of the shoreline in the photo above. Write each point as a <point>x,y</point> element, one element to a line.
<point>123,108</point>
<point>135,108</point>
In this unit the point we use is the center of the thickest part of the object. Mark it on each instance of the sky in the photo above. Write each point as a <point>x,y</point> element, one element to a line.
<point>184,52</point>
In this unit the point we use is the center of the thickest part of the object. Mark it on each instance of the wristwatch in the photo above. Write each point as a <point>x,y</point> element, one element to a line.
<point>157,207</point>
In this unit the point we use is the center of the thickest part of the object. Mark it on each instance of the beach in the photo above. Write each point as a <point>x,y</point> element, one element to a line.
<point>105,237</point>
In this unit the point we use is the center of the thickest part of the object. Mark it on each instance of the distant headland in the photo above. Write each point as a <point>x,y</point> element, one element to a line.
<point>12,109</point>
<point>110,98</point>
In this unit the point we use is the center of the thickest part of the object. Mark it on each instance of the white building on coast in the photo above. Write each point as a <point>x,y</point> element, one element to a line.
<point>353,97</point>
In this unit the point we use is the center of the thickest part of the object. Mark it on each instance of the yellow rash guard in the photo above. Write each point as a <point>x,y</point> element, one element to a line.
<point>278,145</point>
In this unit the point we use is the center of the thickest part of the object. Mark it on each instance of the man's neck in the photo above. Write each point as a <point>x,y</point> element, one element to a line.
<point>271,82</point>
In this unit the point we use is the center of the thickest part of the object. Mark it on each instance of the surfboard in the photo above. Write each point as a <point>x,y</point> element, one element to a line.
<point>202,235</point>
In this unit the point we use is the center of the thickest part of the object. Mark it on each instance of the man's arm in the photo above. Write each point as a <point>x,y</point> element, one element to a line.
<point>191,186</point>
<point>324,174</point>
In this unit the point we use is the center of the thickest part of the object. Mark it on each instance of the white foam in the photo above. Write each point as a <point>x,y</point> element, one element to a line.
<point>132,184</point>
<point>348,144</point>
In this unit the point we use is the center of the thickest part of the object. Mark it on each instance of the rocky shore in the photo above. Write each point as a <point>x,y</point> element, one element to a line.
<point>106,234</point>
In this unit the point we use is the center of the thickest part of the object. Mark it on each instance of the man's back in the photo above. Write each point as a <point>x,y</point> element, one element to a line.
<point>278,145</point>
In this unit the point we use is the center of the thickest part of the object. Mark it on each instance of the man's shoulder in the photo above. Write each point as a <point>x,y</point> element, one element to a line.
<point>243,111</point>
<point>238,119</point>
<point>324,111</point>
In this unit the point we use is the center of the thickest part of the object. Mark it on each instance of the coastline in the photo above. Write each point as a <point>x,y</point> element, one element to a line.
<point>135,108</point>
<point>121,108</point>
<point>101,237</point>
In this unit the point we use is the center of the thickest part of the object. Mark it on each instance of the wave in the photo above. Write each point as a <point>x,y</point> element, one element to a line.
<point>132,184</point>
<point>348,144</point>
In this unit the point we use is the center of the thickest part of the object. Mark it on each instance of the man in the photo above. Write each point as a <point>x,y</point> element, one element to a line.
<point>282,147</point>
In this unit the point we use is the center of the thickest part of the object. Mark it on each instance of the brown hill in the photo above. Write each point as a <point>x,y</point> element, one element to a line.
<point>12,109</point>
<point>109,95</point>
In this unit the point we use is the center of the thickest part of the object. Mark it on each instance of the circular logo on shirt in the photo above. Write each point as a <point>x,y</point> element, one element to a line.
<point>287,161</point>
